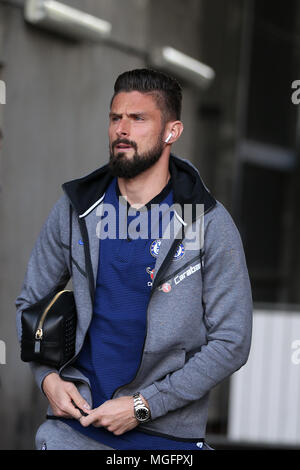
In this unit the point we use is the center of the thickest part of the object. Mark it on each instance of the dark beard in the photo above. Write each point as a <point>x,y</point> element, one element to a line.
<point>129,168</point>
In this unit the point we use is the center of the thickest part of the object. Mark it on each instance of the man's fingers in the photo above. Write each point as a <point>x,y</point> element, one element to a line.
<point>92,418</point>
<point>69,410</point>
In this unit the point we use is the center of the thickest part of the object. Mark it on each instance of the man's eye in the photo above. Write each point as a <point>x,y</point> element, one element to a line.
<point>115,118</point>
<point>139,118</point>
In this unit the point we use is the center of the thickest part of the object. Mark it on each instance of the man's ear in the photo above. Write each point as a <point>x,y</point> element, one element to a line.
<point>173,131</point>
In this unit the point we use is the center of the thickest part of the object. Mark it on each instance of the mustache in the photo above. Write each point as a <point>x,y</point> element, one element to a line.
<point>124,141</point>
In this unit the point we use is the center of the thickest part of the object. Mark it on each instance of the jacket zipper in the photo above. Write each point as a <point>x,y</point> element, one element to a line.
<point>39,331</point>
<point>162,281</point>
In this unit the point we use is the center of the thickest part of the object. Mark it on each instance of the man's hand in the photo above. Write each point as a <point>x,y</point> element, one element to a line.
<point>116,415</point>
<point>60,395</point>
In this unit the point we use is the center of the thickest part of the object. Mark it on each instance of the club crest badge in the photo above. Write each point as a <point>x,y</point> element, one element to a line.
<point>154,248</point>
<point>179,252</point>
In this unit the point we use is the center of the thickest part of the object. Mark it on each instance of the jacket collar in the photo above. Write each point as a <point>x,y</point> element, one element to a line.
<point>86,193</point>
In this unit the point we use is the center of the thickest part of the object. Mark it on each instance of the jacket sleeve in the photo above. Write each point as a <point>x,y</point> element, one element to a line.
<point>47,272</point>
<point>228,319</point>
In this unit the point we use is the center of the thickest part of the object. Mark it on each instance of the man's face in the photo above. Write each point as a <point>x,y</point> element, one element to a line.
<point>135,133</point>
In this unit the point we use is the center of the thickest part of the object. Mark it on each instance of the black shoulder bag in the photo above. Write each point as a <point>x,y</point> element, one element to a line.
<point>49,326</point>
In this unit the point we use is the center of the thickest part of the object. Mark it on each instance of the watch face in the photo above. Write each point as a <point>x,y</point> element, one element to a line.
<point>142,414</point>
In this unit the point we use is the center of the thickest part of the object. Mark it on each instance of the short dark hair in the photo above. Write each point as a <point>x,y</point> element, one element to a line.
<point>165,89</point>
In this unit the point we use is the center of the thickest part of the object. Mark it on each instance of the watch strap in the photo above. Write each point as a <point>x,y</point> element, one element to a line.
<point>137,400</point>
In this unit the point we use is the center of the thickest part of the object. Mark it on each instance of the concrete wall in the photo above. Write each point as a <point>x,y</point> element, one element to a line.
<point>55,129</point>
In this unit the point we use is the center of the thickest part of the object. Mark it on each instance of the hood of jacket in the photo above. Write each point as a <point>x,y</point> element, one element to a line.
<point>188,188</point>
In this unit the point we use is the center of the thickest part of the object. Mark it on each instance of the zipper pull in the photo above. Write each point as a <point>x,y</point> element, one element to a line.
<point>37,346</point>
<point>38,338</point>
<point>39,334</point>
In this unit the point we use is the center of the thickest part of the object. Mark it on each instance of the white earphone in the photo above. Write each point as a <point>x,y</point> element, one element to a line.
<point>168,138</point>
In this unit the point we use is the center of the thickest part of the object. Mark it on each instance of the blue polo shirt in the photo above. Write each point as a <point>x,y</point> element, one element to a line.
<point>113,346</point>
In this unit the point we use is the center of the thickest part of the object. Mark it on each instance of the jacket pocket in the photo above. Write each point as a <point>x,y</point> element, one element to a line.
<point>156,365</point>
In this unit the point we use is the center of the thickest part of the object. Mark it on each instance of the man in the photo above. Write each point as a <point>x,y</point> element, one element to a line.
<point>162,317</point>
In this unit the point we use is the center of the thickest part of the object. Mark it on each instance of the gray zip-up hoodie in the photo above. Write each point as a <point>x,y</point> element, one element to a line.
<point>198,328</point>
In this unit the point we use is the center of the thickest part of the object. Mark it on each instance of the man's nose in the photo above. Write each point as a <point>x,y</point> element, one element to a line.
<point>123,128</point>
